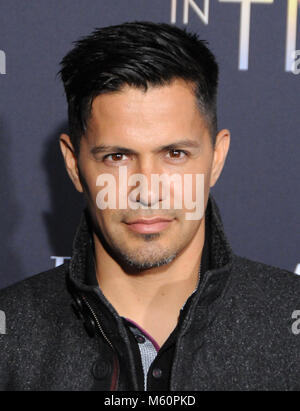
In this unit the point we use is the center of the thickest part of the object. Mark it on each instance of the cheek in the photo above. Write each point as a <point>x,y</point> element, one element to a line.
<point>89,173</point>
<point>192,189</point>
<point>188,230</point>
<point>91,188</point>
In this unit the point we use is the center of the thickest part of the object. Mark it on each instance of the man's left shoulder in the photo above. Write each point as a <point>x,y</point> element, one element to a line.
<point>266,300</point>
<point>272,283</point>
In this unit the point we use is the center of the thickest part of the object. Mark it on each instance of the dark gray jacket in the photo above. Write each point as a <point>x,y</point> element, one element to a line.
<point>63,334</point>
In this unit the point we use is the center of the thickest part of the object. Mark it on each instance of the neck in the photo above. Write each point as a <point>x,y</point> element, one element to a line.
<point>152,298</point>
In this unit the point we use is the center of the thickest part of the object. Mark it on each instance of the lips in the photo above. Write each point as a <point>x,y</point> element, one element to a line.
<point>149,225</point>
<point>148,220</point>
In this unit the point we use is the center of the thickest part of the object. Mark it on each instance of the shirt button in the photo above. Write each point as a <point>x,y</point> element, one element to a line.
<point>140,339</point>
<point>157,372</point>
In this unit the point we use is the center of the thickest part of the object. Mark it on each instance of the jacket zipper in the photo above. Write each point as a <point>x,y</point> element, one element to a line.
<point>115,375</point>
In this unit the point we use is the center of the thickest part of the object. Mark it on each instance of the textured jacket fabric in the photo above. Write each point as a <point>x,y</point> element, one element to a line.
<point>63,334</point>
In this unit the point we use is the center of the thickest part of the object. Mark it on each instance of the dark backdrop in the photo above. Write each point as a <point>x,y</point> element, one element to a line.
<point>258,192</point>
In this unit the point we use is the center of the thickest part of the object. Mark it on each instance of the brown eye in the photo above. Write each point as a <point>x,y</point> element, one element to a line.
<point>115,157</point>
<point>177,154</point>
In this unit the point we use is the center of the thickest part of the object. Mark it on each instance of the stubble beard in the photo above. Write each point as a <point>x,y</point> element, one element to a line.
<point>153,259</point>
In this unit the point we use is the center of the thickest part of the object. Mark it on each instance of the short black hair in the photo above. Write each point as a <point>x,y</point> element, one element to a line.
<point>138,54</point>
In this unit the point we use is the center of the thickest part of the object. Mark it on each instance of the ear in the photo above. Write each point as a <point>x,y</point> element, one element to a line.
<point>70,159</point>
<point>220,153</point>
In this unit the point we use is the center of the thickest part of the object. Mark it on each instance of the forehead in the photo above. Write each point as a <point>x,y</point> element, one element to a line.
<point>162,112</point>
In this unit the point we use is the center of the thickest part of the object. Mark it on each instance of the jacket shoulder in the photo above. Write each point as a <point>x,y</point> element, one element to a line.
<point>273,284</point>
<point>37,294</point>
<point>263,270</point>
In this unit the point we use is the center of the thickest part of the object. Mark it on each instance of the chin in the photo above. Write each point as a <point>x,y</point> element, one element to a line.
<point>148,264</point>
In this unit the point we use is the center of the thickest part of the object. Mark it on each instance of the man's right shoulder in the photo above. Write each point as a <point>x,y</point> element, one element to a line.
<point>44,288</point>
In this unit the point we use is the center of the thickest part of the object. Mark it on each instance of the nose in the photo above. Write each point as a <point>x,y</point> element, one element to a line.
<point>145,193</point>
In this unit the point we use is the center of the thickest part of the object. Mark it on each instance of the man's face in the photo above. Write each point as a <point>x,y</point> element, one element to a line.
<point>157,132</point>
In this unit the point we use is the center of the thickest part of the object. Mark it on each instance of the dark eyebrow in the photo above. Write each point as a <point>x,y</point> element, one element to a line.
<point>180,143</point>
<point>102,148</point>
